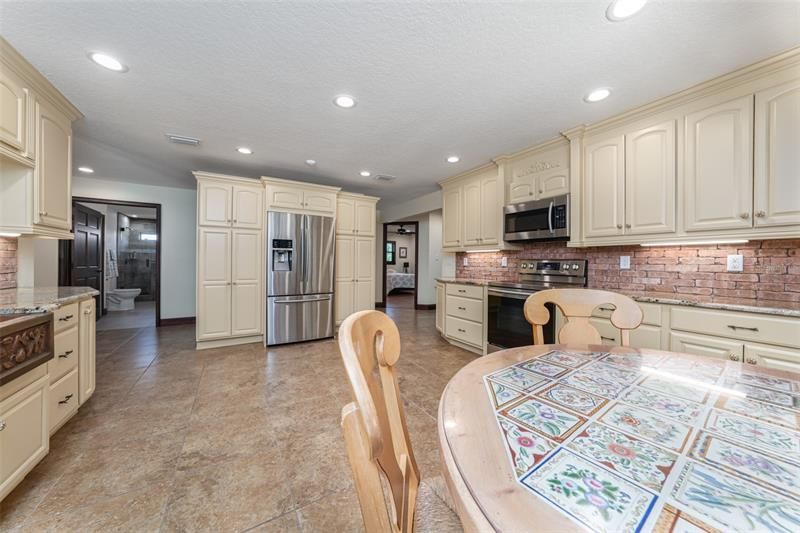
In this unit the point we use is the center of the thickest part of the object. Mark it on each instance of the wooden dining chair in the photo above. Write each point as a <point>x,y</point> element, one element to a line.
<point>376,435</point>
<point>577,305</point>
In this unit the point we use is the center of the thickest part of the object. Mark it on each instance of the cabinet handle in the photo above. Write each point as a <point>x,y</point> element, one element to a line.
<point>234,283</point>
<point>742,327</point>
<point>461,290</point>
<point>530,193</point>
<point>66,399</point>
<point>462,330</point>
<point>745,215</point>
<point>65,354</point>
<point>541,191</point>
<point>608,338</point>
<point>752,361</point>
<point>87,312</point>
<point>606,308</point>
<point>761,214</point>
<point>2,425</point>
<point>733,357</point>
<point>66,318</point>
<point>619,226</point>
<point>462,308</point>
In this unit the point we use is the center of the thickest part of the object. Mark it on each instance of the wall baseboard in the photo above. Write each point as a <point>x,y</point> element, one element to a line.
<point>425,307</point>
<point>179,321</point>
<point>380,305</point>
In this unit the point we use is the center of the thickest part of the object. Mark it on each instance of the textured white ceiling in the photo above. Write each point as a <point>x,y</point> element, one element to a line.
<point>432,78</point>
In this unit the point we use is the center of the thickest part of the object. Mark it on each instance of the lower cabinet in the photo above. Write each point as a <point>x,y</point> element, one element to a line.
<point>24,432</point>
<point>354,288</point>
<point>706,345</point>
<point>463,315</point>
<point>87,348</point>
<point>63,399</point>
<point>440,307</point>
<point>353,296</point>
<point>772,357</point>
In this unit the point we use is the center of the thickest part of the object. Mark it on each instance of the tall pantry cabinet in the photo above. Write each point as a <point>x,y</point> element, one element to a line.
<point>230,220</point>
<point>354,288</point>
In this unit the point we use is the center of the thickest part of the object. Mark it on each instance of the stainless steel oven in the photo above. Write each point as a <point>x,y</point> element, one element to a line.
<point>538,220</point>
<point>506,324</point>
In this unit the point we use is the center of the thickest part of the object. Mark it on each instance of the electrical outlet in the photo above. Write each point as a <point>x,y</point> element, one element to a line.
<point>465,262</point>
<point>735,263</point>
<point>624,262</point>
<point>504,261</point>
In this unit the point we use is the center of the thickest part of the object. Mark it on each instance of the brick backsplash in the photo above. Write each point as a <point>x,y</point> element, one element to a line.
<point>771,268</point>
<point>8,262</point>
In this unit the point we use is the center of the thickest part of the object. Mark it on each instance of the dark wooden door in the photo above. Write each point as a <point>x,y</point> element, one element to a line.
<point>87,261</point>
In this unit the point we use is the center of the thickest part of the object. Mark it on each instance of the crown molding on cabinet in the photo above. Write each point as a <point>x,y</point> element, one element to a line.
<point>472,172</point>
<point>266,180</point>
<point>199,174</point>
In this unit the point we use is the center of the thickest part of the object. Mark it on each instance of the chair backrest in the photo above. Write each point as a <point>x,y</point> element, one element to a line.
<point>374,424</point>
<point>577,305</point>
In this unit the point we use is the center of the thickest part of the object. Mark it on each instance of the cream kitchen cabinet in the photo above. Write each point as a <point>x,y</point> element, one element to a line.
<point>706,345</point>
<point>440,306</point>
<point>451,217</point>
<point>535,187</point>
<point>87,350</point>
<point>604,187</point>
<point>472,210</point>
<point>355,215</point>
<point>53,169</point>
<point>463,317</point>
<point>355,275</point>
<point>776,358</point>
<point>777,155</point>
<point>718,170</point>
<point>287,195</point>
<point>225,204</point>
<point>15,98</point>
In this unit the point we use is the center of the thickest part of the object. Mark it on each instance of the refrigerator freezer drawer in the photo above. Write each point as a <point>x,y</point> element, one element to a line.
<point>299,318</point>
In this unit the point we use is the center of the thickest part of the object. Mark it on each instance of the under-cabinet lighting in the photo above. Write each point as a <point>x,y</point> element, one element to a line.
<point>483,251</point>
<point>695,243</point>
<point>148,237</point>
<point>693,382</point>
<point>8,234</point>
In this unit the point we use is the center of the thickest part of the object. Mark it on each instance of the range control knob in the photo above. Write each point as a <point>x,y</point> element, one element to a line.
<point>575,266</point>
<point>524,265</point>
<point>565,267</point>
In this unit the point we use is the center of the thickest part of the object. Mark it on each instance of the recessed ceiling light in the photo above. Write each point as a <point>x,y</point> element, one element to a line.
<point>365,173</point>
<point>345,100</point>
<point>453,159</point>
<point>245,151</point>
<point>105,60</point>
<point>597,95</point>
<point>311,162</point>
<point>623,9</point>
<point>87,170</point>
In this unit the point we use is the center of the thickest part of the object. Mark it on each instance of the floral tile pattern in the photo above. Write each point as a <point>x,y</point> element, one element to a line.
<point>761,411</point>
<point>732,503</point>
<point>595,497</point>
<point>649,426</point>
<point>573,399</point>
<point>526,449</point>
<point>644,463</point>
<point>571,360</point>
<point>783,442</point>
<point>652,442</point>
<point>671,406</point>
<point>543,418</point>
<point>546,369</point>
<point>742,460</point>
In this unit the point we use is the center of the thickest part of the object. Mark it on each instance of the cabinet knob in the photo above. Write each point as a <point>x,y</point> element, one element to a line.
<point>2,425</point>
<point>627,226</point>
<point>619,226</point>
<point>530,193</point>
<point>761,214</point>
<point>87,312</point>
<point>752,361</point>
<point>733,357</point>
<point>234,221</point>
<point>43,213</point>
<point>745,215</point>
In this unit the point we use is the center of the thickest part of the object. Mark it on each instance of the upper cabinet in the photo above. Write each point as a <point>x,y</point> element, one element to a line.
<point>718,177</point>
<point>604,177</point>
<point>286,195</point>
<point>229,201</point>
<point>777,155</point>
<point>650,179</point>
<point>536,173</point>
<point>472,206</point>
<point>355,215</point>
<point>35,151</point>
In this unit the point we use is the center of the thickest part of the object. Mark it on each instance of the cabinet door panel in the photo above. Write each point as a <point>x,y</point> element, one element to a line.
<point>215,203</point>
<point>772,357</point>
<point>345,259</point>
<point>777,155</point>
<point>214,280</point>
<point>706,345</point>
<point>521,190</point>
<point>472,210</point>
<point>13,112</point>
<point>650,180</point>
<point>603,187</point>
<point>214,256</point>
<point>363,299</point>
<point>87,362</point>
<point>247,211</point>
<point>53,167</point>
<point>552,183</point>
<point>719,166</point>
<point>287,197</point>
<point>344,298</point>
<point>489,212</point>
<point>345,216</point>
<point>214,318</point>
<point>246,256</point>
<point>451,215</point>
<point>246,309</point>
<point>320,201</point>
<point>365,218</point>
<point>365,259</point>
<point>646,336</point>
<point>440,309</point>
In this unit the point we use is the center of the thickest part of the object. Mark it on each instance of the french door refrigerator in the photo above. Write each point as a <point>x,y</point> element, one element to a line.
<point>299,277</point>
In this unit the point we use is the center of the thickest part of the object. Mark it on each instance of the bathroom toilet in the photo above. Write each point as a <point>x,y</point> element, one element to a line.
<point>121,299</point>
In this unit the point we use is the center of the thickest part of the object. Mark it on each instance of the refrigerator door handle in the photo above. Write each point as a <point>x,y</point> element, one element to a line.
<point>290,301</point>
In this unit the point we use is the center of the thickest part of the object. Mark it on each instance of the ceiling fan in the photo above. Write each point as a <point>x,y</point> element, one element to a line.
<point>403,231</point>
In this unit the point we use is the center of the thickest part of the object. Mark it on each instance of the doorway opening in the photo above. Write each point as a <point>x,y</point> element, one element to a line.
<point>116,250</point>
<point>400,268</point>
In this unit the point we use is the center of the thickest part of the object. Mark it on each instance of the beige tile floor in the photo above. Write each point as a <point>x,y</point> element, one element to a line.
<point>231,439</point>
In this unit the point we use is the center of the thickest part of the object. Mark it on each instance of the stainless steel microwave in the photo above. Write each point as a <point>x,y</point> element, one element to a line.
<point>537,220</point>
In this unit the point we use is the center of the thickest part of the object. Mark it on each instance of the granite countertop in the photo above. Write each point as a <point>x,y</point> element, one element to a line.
<point>748,305</point>
<point>41,299</point>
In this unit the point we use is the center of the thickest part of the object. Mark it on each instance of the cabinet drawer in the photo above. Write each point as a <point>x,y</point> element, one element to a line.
<point>652,312</point>
<point>464,331</point>
<point>65,317</point>
<point>65,354</point>
<point>746,326</point>
<point>465,308</point>
<point>772,357</point>
<point>63,399</point>
<point>705,345</point>
<point>646,336</point>
<point>608,333</point>
<point>465,291</point>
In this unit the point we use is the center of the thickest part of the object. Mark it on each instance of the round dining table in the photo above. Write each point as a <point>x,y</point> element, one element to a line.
<point>601,438</point>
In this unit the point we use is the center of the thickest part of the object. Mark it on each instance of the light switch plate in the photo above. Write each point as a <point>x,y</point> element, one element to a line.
<point>504,261</point>
<point>735,263</point>
<point>465,262</point>
<point>624,262</point>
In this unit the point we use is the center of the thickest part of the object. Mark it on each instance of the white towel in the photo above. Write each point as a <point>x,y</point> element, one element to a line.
<point>111,265</point>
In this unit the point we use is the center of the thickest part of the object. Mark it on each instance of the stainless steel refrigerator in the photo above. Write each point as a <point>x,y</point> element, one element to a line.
<point>299,277</point>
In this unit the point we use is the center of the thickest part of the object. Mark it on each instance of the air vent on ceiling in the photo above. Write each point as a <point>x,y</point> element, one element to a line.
<point>183,139</point>
<point>384,177</point>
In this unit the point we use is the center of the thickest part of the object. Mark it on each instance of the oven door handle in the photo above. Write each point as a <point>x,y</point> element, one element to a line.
<point>519,295</point>
<point>550,216</point>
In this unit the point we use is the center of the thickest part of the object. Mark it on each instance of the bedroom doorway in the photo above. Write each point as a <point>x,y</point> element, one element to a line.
<point>400,268</point>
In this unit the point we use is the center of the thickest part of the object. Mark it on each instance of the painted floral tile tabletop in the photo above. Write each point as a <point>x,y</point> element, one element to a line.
<point>646,441</point>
